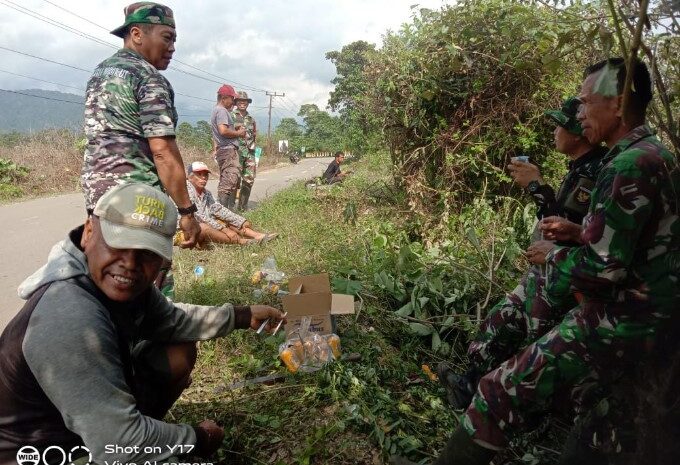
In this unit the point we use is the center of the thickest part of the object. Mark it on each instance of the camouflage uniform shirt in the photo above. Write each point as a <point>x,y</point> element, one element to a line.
<point>631,256</point>
<point>247,143</point>
<point>127,101</point>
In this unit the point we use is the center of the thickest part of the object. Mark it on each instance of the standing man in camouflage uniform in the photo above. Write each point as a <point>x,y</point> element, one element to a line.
<point>226,137</point>
<point>524,314</point>
<point>130,115</point>
<point>627,271</point>
<point>246,147</point>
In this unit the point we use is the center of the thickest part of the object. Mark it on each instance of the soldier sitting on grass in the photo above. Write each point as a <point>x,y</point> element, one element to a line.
<point>218,223</point>
<point>97,356</point>
<point>627,272</point>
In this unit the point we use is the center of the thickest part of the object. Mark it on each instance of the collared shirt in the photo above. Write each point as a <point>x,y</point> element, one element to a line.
<point>631,234</point>
<point>247,143</point>
<point>127,101</point>
<point>210,210</point>
<point>573,196</point>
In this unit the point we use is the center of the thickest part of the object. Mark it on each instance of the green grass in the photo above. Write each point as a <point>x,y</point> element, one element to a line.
<point>348,412</point>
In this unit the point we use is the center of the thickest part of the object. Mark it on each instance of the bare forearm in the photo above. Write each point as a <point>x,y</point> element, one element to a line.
<point>230,133</point>
<point>170,168</point>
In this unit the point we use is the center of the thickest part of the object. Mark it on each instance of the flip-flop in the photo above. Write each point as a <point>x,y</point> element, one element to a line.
<point>268,237</point>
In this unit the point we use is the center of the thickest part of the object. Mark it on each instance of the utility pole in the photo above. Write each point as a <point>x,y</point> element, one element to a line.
<point>269,126</point>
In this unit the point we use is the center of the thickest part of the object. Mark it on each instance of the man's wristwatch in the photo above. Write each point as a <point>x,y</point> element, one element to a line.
<point>188,210</point>
<point>533,187</point>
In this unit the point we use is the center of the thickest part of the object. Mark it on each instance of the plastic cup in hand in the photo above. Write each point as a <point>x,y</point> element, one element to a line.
<point>520,158</point>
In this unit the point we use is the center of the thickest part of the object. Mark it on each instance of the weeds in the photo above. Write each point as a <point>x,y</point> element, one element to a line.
<point>408,287</point>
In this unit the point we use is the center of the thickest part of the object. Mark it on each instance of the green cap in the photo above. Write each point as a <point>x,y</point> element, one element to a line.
<point>137,216</point>
<point>145,13</point>
<point>566,116</point>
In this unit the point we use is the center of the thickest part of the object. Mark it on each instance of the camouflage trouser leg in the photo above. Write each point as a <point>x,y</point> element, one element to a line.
<point>230,169</point>
<point>589,339</point>
<point>520,318</point>
<point>248,166</point>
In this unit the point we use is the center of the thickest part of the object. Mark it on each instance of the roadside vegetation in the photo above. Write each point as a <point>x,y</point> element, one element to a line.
<point>427,233</point>
<point>417,305</point>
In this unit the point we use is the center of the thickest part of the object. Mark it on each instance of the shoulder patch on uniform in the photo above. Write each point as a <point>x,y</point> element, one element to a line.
<point>582,195</point>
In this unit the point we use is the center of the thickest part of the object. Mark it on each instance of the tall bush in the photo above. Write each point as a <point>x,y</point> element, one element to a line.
<point>461,90</point>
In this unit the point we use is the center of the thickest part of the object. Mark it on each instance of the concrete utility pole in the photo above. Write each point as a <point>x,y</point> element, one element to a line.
<point>269,126</point>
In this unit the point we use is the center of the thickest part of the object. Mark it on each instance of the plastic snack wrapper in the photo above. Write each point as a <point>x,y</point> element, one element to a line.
<point>308,351</point>
<point>269,277</point>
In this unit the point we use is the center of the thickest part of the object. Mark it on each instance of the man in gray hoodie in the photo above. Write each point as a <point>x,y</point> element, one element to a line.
<point>97,355</point>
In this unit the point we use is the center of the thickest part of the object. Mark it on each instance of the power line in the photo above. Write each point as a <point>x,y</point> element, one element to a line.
<point>197,98</point>
<point>42,97</point>
<point>45,59</point>
<point>54,23</point>
<point>246,86</point>
<point>41,80</point>
<point>40,17</point>
<point>81,69</point>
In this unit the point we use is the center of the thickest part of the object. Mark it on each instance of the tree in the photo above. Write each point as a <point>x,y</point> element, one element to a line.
<point>348,97</point>
<point>292,131</point>
<point>323,132</point>
<point>350,84</point>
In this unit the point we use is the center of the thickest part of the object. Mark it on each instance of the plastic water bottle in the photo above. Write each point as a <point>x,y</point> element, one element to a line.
<point>199,272</point>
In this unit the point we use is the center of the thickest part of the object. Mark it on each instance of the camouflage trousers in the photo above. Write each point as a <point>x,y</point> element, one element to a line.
<point>593,338</point>
<point>230,169</point>
<point>248,166</point>
<point>519,319</point>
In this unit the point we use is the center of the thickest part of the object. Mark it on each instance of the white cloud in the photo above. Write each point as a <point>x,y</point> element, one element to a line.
<point>273,45</point>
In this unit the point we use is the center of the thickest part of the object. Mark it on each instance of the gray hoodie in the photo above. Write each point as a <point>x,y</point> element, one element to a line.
<point>71,347</point>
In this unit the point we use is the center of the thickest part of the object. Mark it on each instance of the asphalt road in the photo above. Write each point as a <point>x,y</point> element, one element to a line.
<point>34,226</point>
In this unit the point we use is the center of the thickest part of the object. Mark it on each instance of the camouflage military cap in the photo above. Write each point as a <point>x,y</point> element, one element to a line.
<point>145,13</point>
<point>566,116</point>
<point>242,95</point>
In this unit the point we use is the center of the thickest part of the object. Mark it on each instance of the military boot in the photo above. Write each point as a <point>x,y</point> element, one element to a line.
<point>228,199</point>
<point>245,196</point>
<point>460,450</point>
<point>223,199</point>
<point>460,387</point>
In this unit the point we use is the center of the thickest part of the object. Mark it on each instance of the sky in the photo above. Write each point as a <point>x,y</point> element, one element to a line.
<point>276,46</point>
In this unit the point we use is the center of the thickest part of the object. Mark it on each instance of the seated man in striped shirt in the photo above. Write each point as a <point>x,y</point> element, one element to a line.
<point>218,223</point>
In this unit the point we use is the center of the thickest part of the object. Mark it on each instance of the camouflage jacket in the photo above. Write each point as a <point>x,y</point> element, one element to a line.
<point>573,197</point>
<point>127,101</point>
<point>631,256</point>
<point>251,129</point>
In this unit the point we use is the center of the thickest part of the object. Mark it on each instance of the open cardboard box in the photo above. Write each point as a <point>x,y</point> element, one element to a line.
<point>311,296</point>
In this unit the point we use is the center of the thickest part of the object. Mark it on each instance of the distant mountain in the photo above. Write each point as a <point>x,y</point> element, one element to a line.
<point>23,113</point>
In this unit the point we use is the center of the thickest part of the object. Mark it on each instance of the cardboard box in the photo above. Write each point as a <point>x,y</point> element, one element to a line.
<point>311,296</point>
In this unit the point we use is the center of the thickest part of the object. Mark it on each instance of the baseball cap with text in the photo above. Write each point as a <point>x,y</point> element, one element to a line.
<point>137,216</point>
